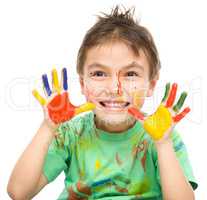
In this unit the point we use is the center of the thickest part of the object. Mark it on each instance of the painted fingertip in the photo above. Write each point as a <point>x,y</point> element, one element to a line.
<point>134,112</point>
<point>172,95</point>
<point>167,89</point>
<point>85,107</point>
<point>39,98</point>
<point>46,84</point>
<point>180,116</point>
<point>56,84</point>
<point>180,102</point>
<point>65,79</point>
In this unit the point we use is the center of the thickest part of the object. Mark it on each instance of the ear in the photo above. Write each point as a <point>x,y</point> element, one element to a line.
<point>81,84</point>
<point>152,84</point>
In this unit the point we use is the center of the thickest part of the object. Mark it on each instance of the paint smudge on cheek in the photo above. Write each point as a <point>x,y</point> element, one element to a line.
<point>90,93</point>
<point>94,94</point>
<point>137,98</point>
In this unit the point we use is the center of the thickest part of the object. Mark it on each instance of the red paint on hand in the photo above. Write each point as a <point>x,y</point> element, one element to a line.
<point>180,116</point>
<point>60,109</point>
<point>172,95</point>
<point>138,115</point>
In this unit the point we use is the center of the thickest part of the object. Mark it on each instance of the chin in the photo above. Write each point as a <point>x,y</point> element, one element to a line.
<point>114,118</point>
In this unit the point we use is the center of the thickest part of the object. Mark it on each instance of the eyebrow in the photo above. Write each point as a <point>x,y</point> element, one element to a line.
<point>131,65</point>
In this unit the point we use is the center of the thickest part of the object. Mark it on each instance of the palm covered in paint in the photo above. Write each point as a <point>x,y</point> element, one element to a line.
<point>160,123</point>
<point>57,105</point>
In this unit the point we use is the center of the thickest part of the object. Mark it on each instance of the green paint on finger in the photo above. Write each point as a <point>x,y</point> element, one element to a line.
<point>167,89</point>
<point>180,102</point>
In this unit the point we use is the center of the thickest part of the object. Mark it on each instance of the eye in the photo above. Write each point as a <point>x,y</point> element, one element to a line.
<point>132,73</point>
<point>98,73</point>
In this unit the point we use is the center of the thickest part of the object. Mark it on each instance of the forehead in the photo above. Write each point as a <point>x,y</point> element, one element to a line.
<point>115,55</point>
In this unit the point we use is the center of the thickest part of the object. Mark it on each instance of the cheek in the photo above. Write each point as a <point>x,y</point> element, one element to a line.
<point>137,98</point>
<point>138,93</point>
<point>92,90</point>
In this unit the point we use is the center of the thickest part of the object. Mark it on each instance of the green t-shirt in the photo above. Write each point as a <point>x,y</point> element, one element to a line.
<point>102,165</point>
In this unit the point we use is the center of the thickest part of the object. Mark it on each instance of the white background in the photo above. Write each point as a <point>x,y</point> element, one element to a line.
<point>35,35</point>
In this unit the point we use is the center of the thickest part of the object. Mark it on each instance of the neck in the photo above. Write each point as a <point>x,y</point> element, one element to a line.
<point>115,128</point>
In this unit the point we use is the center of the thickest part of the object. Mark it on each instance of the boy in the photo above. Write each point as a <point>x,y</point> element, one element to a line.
<point>114,151</point>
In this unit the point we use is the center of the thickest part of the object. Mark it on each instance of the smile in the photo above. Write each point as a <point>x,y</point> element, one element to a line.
<point>114,105</point>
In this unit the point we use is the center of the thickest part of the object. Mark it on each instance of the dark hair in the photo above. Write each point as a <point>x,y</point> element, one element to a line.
<point>120,26</point>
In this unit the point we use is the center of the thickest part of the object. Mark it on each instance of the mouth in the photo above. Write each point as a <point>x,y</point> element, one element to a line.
<point>114,105</point>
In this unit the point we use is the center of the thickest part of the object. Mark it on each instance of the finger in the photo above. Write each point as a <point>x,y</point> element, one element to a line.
<point>46,86</point>
<point>136,113</point>
<point>172,95</point>
<point>55,81</point>
<point>85,107</point>
<point>39,98</point>
<point>167,89</point>
<point>180,116</point>
<point>64,79</point>
<point>180,102</point>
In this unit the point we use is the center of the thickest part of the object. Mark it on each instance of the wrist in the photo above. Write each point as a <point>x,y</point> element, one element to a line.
<point>49,128</point>
<point>167,143</point>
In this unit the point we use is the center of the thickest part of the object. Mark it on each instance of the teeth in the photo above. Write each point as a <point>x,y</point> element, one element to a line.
<point>114,104</point>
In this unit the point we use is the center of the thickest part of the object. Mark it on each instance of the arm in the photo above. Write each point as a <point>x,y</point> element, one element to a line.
<point>171,174</point>
<point>26,178</point>
<point>159,126</point>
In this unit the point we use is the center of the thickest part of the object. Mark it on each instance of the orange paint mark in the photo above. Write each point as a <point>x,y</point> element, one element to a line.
<point>137,98</point>
<point>119,84</point>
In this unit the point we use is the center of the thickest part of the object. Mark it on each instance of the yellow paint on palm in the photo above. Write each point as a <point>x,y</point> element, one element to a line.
<point>39,98</point>
<point>85,107</point>
<point>55,80</point>
<point>97,165</point>
<point>158,123</point>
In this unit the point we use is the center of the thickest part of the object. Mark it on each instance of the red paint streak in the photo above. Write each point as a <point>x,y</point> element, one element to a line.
<point>138,115</point>
<point>60,109</point>
<point>172,95</point>
<point>180,116</point>
<point>119,189</point>
<point>143,160</point>
<point>73,195</point>
<point>81,187</point>
<point>119,85</point>
<point>118,160</point>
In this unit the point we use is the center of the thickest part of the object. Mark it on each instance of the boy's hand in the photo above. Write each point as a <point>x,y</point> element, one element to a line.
<point>160,124</point>
<point>57,106</point>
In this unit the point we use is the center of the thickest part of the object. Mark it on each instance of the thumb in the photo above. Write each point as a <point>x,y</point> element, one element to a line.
<point>136,114</point>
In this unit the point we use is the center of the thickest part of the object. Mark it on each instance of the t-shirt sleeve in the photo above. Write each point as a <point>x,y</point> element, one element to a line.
<point>182,156</point>
<point>59,153</point>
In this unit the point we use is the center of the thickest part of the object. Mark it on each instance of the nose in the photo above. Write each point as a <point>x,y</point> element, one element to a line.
<point>115,86</point>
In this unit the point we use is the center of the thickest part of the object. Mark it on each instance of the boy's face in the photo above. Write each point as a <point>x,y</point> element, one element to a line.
<point>114,78</point>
